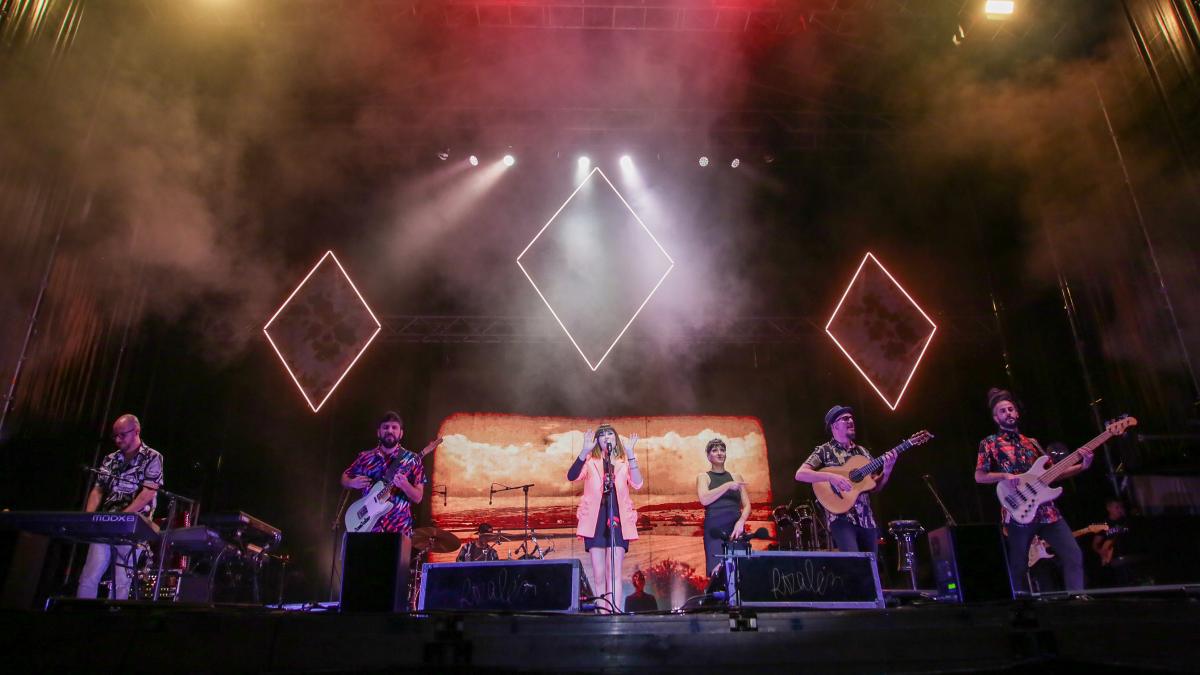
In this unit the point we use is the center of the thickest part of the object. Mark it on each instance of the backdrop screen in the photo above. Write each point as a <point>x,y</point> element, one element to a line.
<point>482,449</point>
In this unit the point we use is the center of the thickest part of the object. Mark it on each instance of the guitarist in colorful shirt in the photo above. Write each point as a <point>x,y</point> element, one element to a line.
<point>1004,456</point>
<point>408,481</point>
<point>855,530</point>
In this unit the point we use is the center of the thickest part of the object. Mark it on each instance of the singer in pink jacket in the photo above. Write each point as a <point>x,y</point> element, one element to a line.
<point>606,540</point>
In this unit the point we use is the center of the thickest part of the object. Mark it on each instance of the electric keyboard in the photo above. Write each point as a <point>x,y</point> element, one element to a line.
<point>97,528</point>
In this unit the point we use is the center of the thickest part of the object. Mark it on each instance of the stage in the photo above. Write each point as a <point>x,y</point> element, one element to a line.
<point>1104,633</point>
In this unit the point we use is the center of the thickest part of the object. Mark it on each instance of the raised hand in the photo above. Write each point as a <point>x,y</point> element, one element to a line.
<point>633,439</point>
<point>589,442</point>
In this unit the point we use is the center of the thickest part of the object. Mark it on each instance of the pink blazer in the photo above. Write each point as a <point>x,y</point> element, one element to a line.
<point>593,488</point>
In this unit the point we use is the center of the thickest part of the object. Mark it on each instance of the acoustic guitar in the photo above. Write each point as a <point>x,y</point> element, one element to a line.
<point>860,471</point>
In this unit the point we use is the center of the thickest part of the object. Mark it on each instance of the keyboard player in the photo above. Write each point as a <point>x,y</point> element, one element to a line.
<point>127,482</point>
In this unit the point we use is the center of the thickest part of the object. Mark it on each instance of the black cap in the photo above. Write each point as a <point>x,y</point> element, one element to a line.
<point>836,412</point>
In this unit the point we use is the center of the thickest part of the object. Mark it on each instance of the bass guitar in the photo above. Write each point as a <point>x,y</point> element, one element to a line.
<point>367,510</point>
<point>860,471</point>
<point>1032,488</point>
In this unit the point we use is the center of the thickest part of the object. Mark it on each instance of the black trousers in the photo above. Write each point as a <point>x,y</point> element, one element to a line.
<point>1066,549</point>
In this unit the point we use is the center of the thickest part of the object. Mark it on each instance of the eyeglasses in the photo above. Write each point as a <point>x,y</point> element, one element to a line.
<point>118,435</point>
<point>844,418</point>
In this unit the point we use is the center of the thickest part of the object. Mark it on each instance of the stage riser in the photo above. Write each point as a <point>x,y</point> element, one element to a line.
<point>96,637</point>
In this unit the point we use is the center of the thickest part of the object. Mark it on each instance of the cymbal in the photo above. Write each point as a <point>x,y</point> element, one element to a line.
<point>493,537</point>
<point>434,539</point>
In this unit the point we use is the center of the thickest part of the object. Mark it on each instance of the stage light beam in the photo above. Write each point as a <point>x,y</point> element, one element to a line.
<point>670,262</point>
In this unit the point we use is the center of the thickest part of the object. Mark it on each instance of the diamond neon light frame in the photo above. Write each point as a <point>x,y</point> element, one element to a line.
<point>670,261</point>
<point>266,331</point>
<point>932,329</point>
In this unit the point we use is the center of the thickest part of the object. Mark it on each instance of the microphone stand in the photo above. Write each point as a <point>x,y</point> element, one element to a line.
<point>938,498</point>
<point>610,488</point>
<point>506,488</point>
<point>337,521</point>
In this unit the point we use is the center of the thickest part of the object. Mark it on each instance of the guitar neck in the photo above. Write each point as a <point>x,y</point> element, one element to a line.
<point>875,465</point>
<point>1055,472</point>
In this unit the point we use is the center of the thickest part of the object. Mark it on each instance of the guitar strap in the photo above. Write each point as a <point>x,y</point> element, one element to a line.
<point>390,472</point>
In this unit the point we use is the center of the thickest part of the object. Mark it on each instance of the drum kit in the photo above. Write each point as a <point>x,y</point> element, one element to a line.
<point>798,529</point>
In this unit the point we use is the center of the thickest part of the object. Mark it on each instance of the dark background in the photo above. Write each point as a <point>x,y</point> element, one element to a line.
<point>169,173</point>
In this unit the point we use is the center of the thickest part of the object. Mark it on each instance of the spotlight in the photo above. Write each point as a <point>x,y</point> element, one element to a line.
<point>999,10</point>
<point>509,160</point>
<point>584,162</point>
<point>735,163</point>
<point>473,160</point>
<point>626,162</point>
<point>703,160</point>
<point>444,154</point>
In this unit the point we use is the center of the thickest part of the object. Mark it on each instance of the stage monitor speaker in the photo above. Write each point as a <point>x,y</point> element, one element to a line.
<point>505,585</point>
<point>813,579</point>
<point>970,563</point>
<point>375,572</point>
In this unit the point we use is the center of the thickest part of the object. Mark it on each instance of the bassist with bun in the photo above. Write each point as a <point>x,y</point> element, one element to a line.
<point>1006,457</point>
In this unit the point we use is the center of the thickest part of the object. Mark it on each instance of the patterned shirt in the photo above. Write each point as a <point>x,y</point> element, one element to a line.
<point>836,454</point>
<point>372,464</point>
<point>1010,452</point>
<point>120,481</point>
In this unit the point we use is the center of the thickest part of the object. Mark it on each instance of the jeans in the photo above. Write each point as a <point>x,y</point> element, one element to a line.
<point>98,558</point>
<point>854,539</point>
<point>1066,549</point>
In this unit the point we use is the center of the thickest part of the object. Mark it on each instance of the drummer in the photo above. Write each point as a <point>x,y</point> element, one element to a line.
<point>481,547</point>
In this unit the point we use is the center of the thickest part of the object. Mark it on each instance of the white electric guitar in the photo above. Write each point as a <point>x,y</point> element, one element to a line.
<point>1033,488</point>
<point>366,511</point>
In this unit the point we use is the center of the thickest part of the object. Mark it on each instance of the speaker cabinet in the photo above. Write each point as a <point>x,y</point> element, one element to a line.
<point>504,585</point>
<point>970,563</point>
<point>375,572</point>
<point>809,579</point>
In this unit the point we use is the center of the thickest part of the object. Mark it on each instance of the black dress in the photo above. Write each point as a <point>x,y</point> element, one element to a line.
<point>719,517</point>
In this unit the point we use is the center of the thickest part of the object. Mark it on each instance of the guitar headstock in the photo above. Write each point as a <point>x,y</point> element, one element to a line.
<point>920,438</point>
<point>1119,425</point>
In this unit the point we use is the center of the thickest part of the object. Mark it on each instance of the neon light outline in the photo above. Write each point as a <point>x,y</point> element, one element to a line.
<point>553,313</point>
<point>928,340</point>
<point>378,328</point>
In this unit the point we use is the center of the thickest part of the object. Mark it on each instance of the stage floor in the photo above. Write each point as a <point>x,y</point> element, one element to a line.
<point>1103,633</point>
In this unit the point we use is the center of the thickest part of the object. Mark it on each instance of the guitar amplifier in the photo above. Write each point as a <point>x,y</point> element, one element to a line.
<point>970,563</point>
<point>814,579</point>
<point>504,585</point>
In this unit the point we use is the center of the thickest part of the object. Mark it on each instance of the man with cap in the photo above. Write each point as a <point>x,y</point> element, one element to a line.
<point>1004,456</point>
<point>855,530</point>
